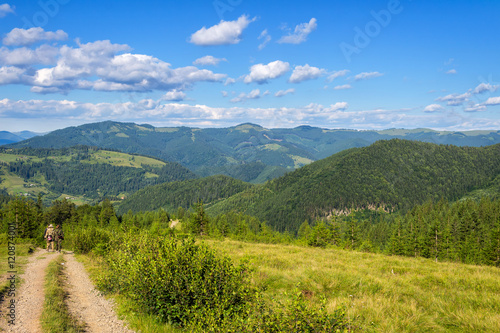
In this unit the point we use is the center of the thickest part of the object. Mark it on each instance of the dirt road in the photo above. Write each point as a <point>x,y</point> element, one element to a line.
<point>84,301</point>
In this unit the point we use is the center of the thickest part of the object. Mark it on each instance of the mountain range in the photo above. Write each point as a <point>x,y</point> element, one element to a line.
<point>389,175</point>
<point>246,152</point>
<point>9,137</point>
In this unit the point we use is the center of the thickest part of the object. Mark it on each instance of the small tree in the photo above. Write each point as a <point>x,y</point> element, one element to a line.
<point>198,223</point>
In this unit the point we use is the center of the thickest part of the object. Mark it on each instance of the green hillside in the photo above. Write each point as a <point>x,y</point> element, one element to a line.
<point>248,152</point>
<point>172,195</point>
<point>390,175</point>
<point>82,173</point>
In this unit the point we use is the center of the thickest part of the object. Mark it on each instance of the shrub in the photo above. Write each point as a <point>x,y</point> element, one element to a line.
<point>85,240</point>
<point>178,280</point>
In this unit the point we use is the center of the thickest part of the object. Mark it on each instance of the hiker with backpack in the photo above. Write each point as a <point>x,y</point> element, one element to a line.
<point>49,237</point>
<point>58,237</point>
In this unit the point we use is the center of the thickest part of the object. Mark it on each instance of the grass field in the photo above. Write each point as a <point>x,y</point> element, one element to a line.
<point>381,293</point>
<point>122,159</point>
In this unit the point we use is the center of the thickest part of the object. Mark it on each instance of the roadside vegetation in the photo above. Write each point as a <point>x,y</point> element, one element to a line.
<point>55,316</point>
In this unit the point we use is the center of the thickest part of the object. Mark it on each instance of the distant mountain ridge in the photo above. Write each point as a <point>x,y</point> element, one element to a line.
<point>247,152</point>
<point>13,137</point>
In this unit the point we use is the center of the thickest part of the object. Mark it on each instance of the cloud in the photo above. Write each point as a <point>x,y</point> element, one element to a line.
<point>31,36</point>
<point>182,114</point>
<point>367,75</point>
<point>261,73</point>
<point>475,108</point>
<point>433,108</point>
<point>6,9</point>
<point>492,101</point>
<point>339,106</point>
<point>266,37</point>
<point>455,99</point>
<point>300,33</point>
<point>303,73</point>
<point>99,66</point>
<point>13,75</point>
<point>224,33</point>
<point>254,94</point>
<point>45,54</point>
<point>229,81</point>
<point>452,71</point>
<point>483,87</point>
<point>282,93</point>
<point>337,74</point>
<point>208,60</point>
<point>343,87</point>
<point>174,95</point>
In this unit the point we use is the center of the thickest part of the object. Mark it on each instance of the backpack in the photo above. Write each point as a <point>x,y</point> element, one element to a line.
<point>50,234</point>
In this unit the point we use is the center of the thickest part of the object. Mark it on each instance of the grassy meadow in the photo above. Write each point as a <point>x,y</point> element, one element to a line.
<point>381,293</point>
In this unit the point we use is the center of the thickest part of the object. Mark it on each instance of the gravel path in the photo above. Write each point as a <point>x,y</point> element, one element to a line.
<point>87,304</point>
<point>29,300</point>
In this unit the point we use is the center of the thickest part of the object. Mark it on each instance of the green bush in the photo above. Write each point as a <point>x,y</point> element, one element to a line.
<point>178,280</point>
<point>88,239</point>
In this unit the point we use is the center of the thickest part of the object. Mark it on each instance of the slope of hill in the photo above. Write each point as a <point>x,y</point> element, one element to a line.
<point>248,152</point>
<point>87,173</point>
<point>394,174</point>
<point>184,194</point>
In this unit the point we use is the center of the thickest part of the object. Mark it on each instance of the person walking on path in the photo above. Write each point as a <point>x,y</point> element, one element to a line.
<point>58,237</point>
<point>49,237</point>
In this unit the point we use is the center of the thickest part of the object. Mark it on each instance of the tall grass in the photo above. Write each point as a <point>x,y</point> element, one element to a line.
<point>381,293</point>
<point>55,316</point>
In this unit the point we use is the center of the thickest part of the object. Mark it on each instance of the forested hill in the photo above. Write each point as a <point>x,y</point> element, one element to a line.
<point>84,172</point>
<point>394,174</point>
<point>184,194</point>
<point>248,152</point>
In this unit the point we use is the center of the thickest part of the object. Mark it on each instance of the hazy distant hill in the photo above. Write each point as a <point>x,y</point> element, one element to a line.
<point>395,174</point>
<point>248,152</point>
<point>8,137</point>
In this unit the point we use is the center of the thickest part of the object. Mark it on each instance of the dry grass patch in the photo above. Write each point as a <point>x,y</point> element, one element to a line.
<point>381,293</point>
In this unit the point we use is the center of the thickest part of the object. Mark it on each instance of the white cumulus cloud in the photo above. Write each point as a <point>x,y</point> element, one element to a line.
<point>483,87</point>
<point>282,93</point>
<point>6,9</point>
<point>208,60</point>
<point>367,75</point>
<point>492,101</point>
<point>254,94</point>
<point>31,36</point>
<point>23,56</point>
<point>337,74</point>
<point>224,33</point>
<point>343,87</point>
<point>303,73</point>
<point>261,73</point>
<point>99,66</point>
<point>433,108</point>
<point>174,95</point>
<point>300,33</point>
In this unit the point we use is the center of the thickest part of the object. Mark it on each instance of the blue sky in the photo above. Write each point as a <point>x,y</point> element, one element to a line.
<point>217,63</point>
